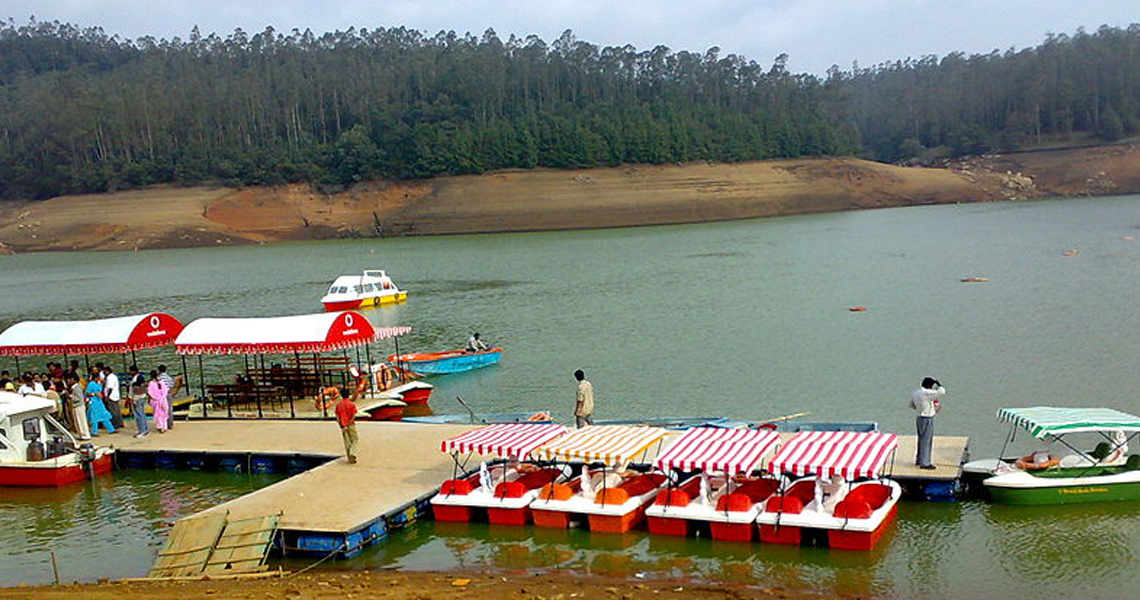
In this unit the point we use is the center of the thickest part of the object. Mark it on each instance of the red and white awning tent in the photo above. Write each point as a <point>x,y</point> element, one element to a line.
<point>323,332</point>
<point>849,454</point>
<point>610,444</point>
<point>117,335</point>
<point>717,450</point>
<point>507,440</point>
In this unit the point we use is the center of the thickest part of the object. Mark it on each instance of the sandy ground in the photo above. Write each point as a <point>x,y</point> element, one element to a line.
<point>544,199</point>
<point>408,586</point>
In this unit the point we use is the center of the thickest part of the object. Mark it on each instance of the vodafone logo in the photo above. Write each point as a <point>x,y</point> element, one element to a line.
<point>154,322</point>
<point>348,320</point>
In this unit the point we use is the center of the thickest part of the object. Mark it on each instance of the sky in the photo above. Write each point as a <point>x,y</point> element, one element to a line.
<point>814,33</point>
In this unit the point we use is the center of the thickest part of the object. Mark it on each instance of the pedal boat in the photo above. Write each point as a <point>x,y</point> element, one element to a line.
<point>728,493</point>
<point>371,288</point>
<point>594,495</point>
<point>863,505</point>
<point>25,419</point>
<point>500,490</point>
<point>1107,473</point>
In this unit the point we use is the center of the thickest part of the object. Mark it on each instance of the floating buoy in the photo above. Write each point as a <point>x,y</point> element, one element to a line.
<point>1070,253</point>
<point>858,309</point>
<point>975,280</point>
<point>1128,238</point>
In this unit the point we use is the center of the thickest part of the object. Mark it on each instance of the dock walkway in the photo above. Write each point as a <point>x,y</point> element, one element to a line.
<point>336,505</point>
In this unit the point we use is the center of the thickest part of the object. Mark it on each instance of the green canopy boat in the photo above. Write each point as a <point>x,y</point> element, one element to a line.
<point>1104,473</point>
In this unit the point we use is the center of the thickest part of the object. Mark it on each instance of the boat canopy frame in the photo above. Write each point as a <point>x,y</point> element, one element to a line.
<point>1050,422</point>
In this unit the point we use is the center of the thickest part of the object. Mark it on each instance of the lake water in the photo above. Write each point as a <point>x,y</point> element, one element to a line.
<point>747,320</point>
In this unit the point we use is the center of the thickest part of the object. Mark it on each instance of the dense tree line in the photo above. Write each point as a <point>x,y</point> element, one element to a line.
<point>82,111</point>
<point>1086,83</point>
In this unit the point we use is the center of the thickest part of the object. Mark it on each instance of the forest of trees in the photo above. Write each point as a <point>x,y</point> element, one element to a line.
<point>82,111</point>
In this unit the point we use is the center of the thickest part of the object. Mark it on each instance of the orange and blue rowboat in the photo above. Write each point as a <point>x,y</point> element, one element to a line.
<point>442,363</point>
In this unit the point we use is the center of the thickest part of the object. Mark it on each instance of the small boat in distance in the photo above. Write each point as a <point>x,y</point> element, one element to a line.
<point>371,288</point>
<point>441,363</point>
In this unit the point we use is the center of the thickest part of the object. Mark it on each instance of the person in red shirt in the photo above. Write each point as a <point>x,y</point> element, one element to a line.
<point>346,418</point>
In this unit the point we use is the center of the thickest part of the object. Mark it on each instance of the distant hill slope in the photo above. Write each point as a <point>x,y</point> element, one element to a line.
<point>545,199</point>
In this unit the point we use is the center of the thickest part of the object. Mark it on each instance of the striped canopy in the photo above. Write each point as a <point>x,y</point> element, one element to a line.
<point>719,450</point>
<point>1048,420</point>
<point>508,440</point>
<point>611,444</point>
<point>850,454</point>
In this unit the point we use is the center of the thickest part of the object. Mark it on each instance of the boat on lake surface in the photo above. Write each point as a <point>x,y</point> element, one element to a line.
<point>370,288</point>
<point>442,363</point>
<point>27,461</point>
<point>833,490</point>
<point>1102,474</point>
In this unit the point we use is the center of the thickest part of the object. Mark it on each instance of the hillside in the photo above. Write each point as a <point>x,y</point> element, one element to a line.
<point>545,199</point>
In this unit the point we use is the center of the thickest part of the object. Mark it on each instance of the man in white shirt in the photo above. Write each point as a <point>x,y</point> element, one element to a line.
<point>474,344</point>
<point>31,387</point>
<point>112,396</point>
<point>926,401</point>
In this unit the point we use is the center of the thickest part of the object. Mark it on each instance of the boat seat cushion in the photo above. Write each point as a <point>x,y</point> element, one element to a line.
<point>874,494</point>
<point>556,491</point>
<point>536,479</point>
<point>791,505</point>
<point>853,509</point>
<point>510,489</point>
<point>636,486</point>
<point>734,502</point>
<point>804,490</point>
<point>458,487</point>
<point>757,489</point>
<point>672,497</point>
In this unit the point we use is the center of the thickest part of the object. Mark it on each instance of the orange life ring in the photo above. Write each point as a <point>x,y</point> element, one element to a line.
<point>540,417</point>
<point>1026,463</point>
<point>327,398</point>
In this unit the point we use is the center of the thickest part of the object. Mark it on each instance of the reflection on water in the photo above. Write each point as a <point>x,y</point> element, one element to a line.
<point>112,527</point>
<point>964,550</point>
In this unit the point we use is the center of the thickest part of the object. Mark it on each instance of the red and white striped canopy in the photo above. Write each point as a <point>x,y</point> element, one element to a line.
<point>509,440</point>
<point>850,454</point>
<point>714,449</point>
<point>611,444</point>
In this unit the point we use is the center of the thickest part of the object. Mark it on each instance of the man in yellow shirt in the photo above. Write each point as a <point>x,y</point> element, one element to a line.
<point>584,404</point>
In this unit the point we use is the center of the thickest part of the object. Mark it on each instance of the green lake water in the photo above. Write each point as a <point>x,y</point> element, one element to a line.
<point>747,320</point>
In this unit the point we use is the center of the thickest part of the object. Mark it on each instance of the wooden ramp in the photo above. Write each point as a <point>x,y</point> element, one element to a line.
<point>243,546</point>
<point>211,545</point>
<point>189,545</point>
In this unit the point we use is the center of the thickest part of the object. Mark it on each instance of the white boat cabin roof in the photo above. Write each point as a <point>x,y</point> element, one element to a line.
<point>22,420</point>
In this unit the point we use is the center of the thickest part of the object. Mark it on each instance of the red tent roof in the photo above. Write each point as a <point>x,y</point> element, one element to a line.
<point>850,454</point>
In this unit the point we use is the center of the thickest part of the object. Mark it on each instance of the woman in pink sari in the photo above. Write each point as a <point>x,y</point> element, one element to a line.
<point>158,392</point>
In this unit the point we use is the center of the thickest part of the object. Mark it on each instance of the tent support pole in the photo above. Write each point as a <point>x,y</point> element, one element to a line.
<point>202,386</point>
<point>17,357</point>
<point>134,361</point>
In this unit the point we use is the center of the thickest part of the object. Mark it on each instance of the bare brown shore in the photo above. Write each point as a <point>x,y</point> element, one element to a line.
<point>387,585</point>
<point>542,199</point>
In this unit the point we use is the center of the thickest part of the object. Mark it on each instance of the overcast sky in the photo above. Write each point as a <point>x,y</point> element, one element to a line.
<point>814,33</point>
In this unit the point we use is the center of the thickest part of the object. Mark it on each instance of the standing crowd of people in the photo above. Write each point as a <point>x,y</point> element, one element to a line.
<point>87,401</point>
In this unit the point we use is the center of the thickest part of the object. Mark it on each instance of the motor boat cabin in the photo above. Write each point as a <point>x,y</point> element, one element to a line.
<point>370,288</point>
<point>37,451</point>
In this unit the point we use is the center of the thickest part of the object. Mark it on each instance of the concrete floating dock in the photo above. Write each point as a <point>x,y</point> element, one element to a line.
<point>335,507</point>
<point>330,506</point>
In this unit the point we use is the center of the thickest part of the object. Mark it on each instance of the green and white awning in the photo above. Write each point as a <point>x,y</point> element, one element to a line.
<point>1048,420</point>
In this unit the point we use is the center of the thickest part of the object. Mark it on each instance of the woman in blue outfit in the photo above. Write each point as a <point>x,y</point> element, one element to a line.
<point>96,410</point>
